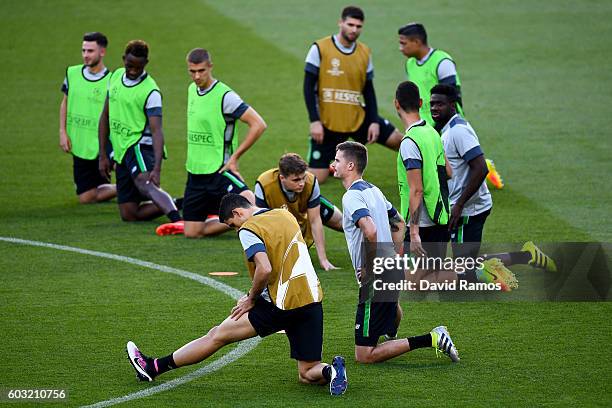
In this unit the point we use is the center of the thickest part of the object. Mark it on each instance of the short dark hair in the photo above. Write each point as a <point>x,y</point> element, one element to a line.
<point>407,95</point>
<point>230,202</point>
<point>137,48</point>
<point>352,12</point>
<point>291,163</point>
<point>414,30</point>
<point>198,55</point>
<point>449,91</point>
<point>96,36</point>
<point>355,152</point>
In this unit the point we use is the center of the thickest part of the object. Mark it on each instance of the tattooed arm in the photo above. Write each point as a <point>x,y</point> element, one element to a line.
<point>415,182</point>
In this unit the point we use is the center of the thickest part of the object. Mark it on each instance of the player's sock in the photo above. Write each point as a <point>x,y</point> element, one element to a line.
<point>522,257</point>
<point>178,201</point>
<point>417,342</point>
<point>468,276</point>
<point>174,216</point>
<point>164,364</point>
<point>327,372</point>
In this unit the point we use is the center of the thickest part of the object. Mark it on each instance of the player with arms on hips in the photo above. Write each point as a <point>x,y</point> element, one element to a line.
<point>132,115</point>
<point>84,89</point>
<point>291,186</point>
<point>427,67</point>
<point>368,217</point>
<point>338,75</point>
<point>285,294</point>
<point>212,149</point>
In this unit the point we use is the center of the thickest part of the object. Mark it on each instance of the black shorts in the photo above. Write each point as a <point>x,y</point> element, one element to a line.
<point>303,326</point>
<point>466,238</point>
<point>374,319</point>
<point>203,193</point>
<point>86,174</point>
<point>326,209</point>
<point>137,159</point>
<point>434,240</point>
<point>321,155</point>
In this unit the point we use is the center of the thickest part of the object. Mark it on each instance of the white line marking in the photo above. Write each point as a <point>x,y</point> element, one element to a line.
<point>243,347</point>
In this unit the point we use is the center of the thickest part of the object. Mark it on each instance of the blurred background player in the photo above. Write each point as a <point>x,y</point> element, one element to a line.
<point>132,116</point>
<point>274,302</point>
<point>427,67</point>
<point>368,217</point>
<point>212,149</point>
<point>338,75</point>
<point>422,173</point>
<point>291,186</point>
<point>84,89</point>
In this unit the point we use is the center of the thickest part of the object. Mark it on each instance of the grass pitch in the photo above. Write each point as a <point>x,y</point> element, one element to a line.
<point>535,83</point>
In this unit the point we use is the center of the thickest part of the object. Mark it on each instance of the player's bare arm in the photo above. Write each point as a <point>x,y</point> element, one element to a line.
<point>263,269</point>
<point>476,176</point>
<point>103,131</point>
<point>316,225</point>
<point>256,126</point>
<point>64,141</point>
<point>158,147</point>
<point>415,181</point>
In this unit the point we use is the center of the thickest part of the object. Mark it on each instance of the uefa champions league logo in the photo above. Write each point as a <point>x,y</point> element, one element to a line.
<point>335,71</point>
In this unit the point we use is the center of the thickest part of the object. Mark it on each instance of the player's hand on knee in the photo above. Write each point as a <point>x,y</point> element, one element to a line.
<point>244,305</point>
<point>154,177</point>
<point>104,166</point>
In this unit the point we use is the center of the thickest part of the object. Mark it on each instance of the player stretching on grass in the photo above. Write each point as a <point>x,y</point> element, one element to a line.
<point>285,295</point>
<point>368,217</point>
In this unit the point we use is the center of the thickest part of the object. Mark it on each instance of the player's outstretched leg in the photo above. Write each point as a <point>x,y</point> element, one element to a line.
<point>229,331</point>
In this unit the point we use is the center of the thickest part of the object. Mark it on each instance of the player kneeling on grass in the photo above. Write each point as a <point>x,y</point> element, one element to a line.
<point>272,243</point>
<point>131,121</point>
<point>212,149</point>
<point>368,217</point>
<point>291,186</point>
